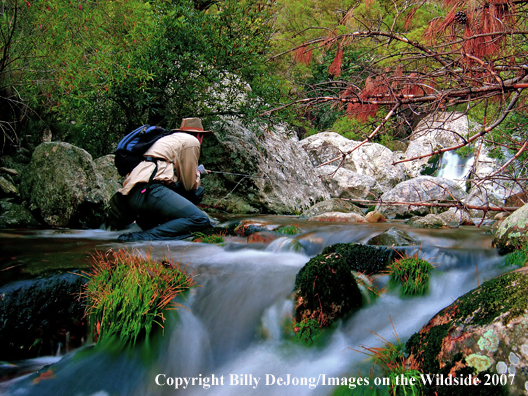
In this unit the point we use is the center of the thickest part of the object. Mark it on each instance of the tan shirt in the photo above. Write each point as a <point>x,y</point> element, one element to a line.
<point>181,152</point>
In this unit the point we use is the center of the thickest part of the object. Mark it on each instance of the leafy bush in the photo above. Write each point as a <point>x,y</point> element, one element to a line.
<point>127,293</point>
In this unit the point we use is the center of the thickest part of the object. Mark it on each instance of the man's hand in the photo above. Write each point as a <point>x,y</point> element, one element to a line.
<point>203,172</point>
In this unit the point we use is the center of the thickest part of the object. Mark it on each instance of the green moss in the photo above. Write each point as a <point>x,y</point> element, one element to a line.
<point>325,290</point>
<point>434,162</point>
<point>426,346</point>
<point>505,295</point>
<point>361,258</point>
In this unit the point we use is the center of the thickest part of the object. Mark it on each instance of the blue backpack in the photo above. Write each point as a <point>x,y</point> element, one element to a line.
<point>130,150</point>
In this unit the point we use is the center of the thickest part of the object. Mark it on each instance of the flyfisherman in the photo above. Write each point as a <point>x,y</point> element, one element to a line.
<point>165,202</point>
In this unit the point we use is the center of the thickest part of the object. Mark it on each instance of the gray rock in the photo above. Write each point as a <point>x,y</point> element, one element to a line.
<point>392,237</point>
<point>62,184</point>
<point>429,221</point>
<point>371,159</point>
<point>421,189</point>
<point>331,205</point>
<point>286,182</point>
<point>344,183</point>
<point>513,231</point>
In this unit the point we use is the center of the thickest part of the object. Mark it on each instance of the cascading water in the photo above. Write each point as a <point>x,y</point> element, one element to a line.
<point>234,336</point>
<point>454,167</point>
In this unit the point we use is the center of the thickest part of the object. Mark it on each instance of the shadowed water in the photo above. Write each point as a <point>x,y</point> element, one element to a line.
<point>237,325</point>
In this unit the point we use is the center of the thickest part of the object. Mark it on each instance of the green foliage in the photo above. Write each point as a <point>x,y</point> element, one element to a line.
<point>306,330</point>
<point>412,273</point>
<point>216,239</point>
<point>127,294</point>
<point>288,230</point>
<point>517,258</point>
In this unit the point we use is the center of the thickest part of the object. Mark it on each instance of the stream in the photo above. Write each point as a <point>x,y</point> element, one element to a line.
<point>234,335</point>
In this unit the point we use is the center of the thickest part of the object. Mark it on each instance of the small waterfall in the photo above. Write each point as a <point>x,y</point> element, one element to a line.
<point>454,167</point>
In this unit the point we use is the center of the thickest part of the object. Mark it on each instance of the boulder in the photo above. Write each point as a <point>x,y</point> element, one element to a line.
<point>392,237</point>
<point>512,232</point>
<point>331,205</point>
<point>281,179</point>
<point>454,217</point>
<point>344,183</point>
<point>338,217</point>
<point>421,189</point>
<point>40,316</point>
<point>428,221</point>
<point>482,334</point>
<point>435,132</point>
<point>63,186</point>
<point>371,159</point>
<point>13,215</point>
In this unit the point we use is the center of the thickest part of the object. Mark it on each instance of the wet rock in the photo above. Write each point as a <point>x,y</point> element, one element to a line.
<point>39,317</point>
<point>331,205</point>
<point>338,217</point>
<point>483,333</point>
<point>330,285</point>
<point>392,237</point>
<point>375,217</point>
<point>265,237</point>
<point>512,232</point>
<point>248,227</point>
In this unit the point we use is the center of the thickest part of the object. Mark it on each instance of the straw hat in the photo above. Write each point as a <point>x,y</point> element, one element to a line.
<point>191,125</point>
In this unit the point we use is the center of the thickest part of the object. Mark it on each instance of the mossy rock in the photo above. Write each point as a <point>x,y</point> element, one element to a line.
<point>361,258</point>
<point>483,333</point>
<point>512,232</point>
<point>325,290</point>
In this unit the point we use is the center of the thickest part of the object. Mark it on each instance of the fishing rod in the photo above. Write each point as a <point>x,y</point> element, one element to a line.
<point>204,171</point>
<point>236,174</point>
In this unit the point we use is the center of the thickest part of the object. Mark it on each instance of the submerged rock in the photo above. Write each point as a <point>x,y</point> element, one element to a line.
<point>392,237</point>
<point>483,333</point>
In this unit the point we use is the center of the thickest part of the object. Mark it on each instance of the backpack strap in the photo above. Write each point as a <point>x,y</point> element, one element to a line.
<point>155,160</point>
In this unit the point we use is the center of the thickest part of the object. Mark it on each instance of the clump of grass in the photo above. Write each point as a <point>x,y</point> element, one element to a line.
<point>128,293</point>
<point>394,364</point>
<point>216,239</point>
<point>288,230</point>
<point>412,273</point>
<point>518,258</point>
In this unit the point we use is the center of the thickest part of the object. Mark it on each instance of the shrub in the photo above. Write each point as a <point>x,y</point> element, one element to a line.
<point>127,293</point>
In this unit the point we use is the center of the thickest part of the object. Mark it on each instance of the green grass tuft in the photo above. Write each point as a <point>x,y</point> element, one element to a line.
<point>412,273</point>
<point>128,293</point>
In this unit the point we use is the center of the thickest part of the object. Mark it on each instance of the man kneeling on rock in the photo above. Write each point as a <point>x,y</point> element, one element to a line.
<point>165,206</point>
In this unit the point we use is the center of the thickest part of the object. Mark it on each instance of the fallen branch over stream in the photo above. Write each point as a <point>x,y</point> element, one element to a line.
<point>450,204</point>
